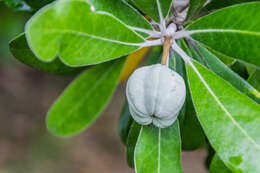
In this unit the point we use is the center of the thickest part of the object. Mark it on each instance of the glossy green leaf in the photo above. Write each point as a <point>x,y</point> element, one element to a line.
<point>85,99</point>
<point>195,7</point>
<point>123,11</point>
<point>216,4</point>
<point>229,118</point>
<point>226,73</point>
<point>153,8</point>
<point>131,143</point>
<point>158,150</point>
<point>125,122</point>
<point>254,79</point>
<point>217,166</point>
<point>22,52</point>
<point>192,135</point>
<point>93,37</point>
<point>225,59</point>
<point>238,36</point>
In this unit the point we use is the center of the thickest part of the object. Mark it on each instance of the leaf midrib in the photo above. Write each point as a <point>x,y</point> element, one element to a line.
<point>225,31</point>
<point>138,139</point>
<point>69,31</point>
<point>227,112</point>
<point>159,149</point>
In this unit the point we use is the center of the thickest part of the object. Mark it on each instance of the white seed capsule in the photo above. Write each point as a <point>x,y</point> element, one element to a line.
<point>155,95</point>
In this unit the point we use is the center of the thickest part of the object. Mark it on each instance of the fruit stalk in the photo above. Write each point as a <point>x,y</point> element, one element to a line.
<point>167,45</point>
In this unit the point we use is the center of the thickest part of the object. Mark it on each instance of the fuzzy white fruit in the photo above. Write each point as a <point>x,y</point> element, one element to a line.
<point>155,95</point>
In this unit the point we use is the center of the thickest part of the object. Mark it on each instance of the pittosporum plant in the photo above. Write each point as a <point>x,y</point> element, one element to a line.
<point>200,87</point>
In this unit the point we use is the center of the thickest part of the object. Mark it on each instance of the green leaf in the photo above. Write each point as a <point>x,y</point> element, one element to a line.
<point>192,135</point>
<point>125,123</point>
<point>23,53</point>
<point>154,57</point>
<point>195,7</point>
<point>158,150</point>
<point>254,80</point>
<point>218,166</point>
<point>85,99</point>
<point>176,64</point>
<point>37,4</point>
<point>123,11</point>
<point>15,4</point>
<point>225,59</point>
<point>131,143</point>
<point>216,4</point>
<point>226,73</point>
<point>153,8</point>
<point>250,69</point>
<point>229,118</point>
<point>79,35</point>
<point>240,69</point>
<point>237,37</point>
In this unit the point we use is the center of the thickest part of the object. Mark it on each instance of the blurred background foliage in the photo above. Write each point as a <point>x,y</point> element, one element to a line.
<point>11,24</point>
<point>25,96</point>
